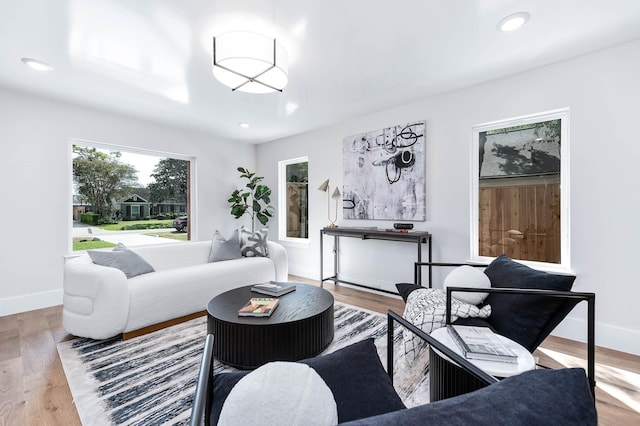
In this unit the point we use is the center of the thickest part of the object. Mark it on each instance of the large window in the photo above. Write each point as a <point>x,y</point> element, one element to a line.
<point>520,189</point>
<point>128,195</point>
<point>293,183</point>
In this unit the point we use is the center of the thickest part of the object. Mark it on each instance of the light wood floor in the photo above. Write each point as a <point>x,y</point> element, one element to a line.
<point>34,390</point>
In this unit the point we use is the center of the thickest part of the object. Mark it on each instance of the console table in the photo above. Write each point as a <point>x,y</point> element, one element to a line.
<point>416,237</point>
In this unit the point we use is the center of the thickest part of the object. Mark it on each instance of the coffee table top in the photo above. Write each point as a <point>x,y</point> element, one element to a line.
<point>526,361</point>
<point>306,301</point>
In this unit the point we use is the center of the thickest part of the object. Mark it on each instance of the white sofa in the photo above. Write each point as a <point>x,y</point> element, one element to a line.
<point>100,302</point>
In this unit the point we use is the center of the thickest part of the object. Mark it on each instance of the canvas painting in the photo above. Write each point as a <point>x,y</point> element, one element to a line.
<point>384,173</point>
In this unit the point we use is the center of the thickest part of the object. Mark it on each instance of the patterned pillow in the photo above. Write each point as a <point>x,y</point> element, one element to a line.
<point>254,244</point>
<point>426,309</point>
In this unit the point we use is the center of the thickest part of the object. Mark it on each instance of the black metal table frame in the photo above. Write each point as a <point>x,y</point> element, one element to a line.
<point>417,237</point>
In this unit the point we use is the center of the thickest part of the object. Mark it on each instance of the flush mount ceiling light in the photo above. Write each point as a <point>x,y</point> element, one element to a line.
<point>244,124</point>
<point>36,64</point>
<point>513,22</point>
<point>250,62</point>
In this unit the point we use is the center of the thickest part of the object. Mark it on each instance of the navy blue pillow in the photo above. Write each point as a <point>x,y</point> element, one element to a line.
<point>537,397</point>
<point>405,289</point>
<point>521,318</point>
<point>355,375</point>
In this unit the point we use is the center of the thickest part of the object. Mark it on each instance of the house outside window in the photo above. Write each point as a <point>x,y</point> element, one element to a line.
<point>116,190</point>
<point>520,190</point>
<point>293,186</point>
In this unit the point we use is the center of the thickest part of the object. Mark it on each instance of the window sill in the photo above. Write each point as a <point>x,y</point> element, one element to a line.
<point>299,243</point>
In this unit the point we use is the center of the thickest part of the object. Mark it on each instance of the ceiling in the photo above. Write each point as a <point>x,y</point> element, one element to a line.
<point>151,59</point>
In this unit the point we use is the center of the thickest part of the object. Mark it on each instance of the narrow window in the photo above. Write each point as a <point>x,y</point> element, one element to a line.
<point>293,216</point>
<point>520,189</point>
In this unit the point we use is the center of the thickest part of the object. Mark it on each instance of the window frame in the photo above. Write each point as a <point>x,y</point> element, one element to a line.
<point>192,213</point>
<point>565,230</point>
<point>282,204</point>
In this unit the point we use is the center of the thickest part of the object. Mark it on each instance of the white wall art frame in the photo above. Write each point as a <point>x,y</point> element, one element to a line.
<point>384,173</point>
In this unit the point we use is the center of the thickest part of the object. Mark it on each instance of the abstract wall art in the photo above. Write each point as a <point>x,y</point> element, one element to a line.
<point>384,173</point>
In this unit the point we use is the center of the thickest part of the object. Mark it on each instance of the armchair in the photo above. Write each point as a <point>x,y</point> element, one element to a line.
<point>527,304</point>
<point>535,397</point>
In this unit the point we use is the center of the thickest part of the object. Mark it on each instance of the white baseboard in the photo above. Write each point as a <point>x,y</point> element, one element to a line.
<point>607,336</point>
<point>29,302</point>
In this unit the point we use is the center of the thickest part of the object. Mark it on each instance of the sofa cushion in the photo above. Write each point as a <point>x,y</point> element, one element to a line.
<point>536,397</point>
<point>280,393</point>
<point>254,244</point>
<point>522,317</point>
<point>129,262</point>
<point>355,375</point>
<point>222,249</point>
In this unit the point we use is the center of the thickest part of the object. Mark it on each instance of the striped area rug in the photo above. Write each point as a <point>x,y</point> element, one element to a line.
<point>151,379</point>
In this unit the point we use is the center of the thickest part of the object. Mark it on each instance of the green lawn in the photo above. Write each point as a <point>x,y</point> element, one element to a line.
<point>137,224</point>
<point>90,245</point>
<point>179,236</point>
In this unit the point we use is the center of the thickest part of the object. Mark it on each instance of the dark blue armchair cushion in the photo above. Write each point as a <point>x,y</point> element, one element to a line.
<point>355,375</point>
<point>522,317</point>
<point>537,397</point>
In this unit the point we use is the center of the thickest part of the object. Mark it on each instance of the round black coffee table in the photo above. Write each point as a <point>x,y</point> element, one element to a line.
<point>300,327</point>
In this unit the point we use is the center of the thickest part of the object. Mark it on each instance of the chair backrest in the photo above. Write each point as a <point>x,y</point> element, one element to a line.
<point>526,318</point>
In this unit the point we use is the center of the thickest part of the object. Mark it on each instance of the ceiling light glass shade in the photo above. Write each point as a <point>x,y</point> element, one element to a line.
<point>250,62</point>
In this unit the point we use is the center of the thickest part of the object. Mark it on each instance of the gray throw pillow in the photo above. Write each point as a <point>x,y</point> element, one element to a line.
<point>121,258</point>
<point>254,244</point>
<point>222,249</point>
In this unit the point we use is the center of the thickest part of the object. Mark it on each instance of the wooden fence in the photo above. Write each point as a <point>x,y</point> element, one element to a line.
<point>521,220</point>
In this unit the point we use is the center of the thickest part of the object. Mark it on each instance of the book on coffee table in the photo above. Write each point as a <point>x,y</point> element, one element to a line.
<point>481,343</point>
<point>258,307</point>
<point>273,288</point>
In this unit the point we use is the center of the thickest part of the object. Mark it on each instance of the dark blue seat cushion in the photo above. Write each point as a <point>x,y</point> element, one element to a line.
<point>523,318</point>
<point>355,375</point>
<point>537,397</point>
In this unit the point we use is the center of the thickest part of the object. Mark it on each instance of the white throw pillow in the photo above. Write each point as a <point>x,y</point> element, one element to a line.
<point>280,393</point>
<point>468,276</point>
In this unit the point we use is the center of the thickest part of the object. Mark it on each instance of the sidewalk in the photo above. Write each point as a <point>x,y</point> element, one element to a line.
<point>128,238</point>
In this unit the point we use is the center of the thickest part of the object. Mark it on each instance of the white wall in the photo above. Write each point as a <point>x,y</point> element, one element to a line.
<point>602,91</point>
<point>34,180</point>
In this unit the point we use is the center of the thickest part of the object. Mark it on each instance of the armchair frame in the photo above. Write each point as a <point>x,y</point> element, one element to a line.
<point>577,297</point>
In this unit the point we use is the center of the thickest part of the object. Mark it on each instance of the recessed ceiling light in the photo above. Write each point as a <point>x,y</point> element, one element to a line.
<point>291,107</point>
<point>244,124</point>
<point>36,64</point>
<point>513,21</point>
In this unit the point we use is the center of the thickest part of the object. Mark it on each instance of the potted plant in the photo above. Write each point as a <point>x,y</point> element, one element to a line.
<point>253,201</point>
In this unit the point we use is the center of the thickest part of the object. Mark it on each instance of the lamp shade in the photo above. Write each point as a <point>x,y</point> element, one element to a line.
<point>325,186</point>
<point>336,194</point>
<point>250,62</point>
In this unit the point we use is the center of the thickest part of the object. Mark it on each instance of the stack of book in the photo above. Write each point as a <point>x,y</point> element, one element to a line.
<point>259,307</point>
<point>273,288</point>
<point>481,343</point>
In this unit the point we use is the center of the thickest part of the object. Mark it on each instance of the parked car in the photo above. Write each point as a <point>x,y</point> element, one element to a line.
<point>180,223</point>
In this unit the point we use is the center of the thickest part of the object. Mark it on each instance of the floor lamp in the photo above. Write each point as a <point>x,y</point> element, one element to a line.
<point>336,196</point>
